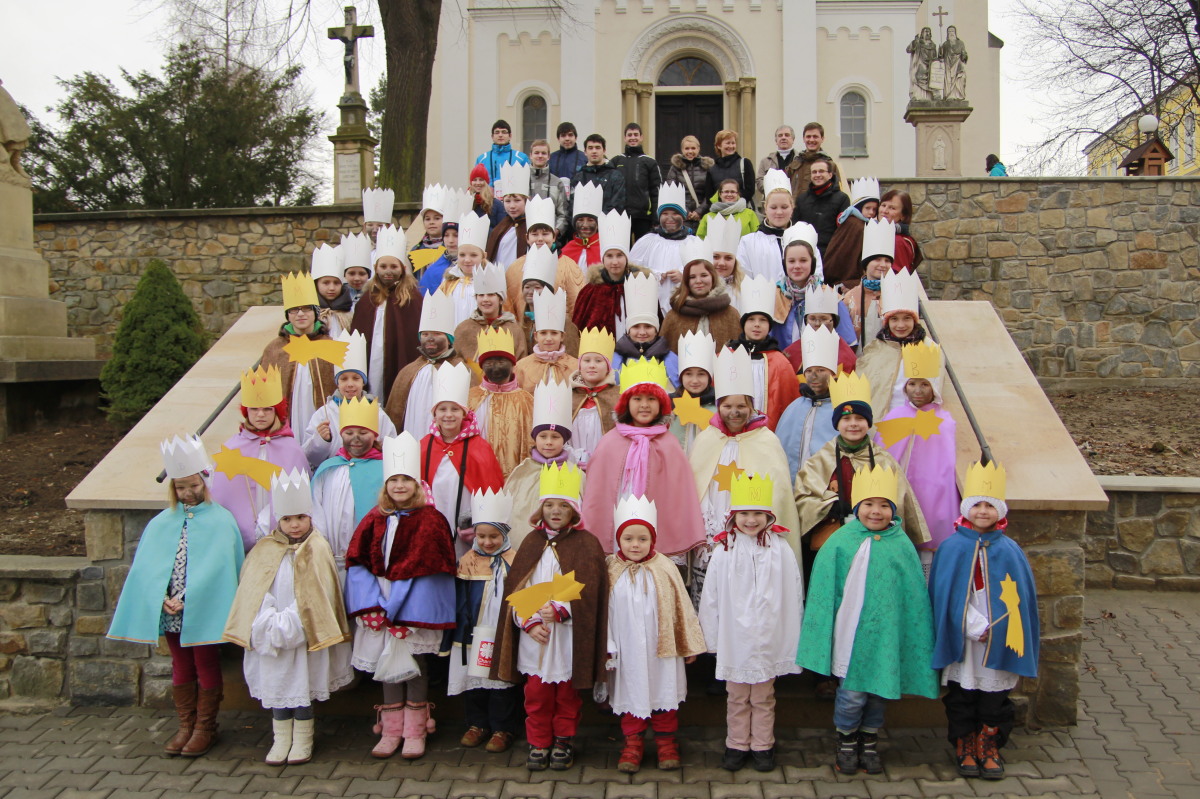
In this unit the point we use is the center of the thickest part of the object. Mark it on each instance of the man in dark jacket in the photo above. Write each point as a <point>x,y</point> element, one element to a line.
<point>642,180</point>
<point>798,168</point>
<point>600,170</point>
<point>821,204</point>
<point>567,159</point>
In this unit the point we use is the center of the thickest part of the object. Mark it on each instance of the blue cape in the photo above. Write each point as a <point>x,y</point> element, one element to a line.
<point>366,478</point>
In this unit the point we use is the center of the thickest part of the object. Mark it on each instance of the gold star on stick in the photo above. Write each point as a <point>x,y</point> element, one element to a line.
<point>725,475</point>
<point>301,349</point>
<point>528,601</point>
<point>688,410</point>
<point>423,258</point>
<point>924,424</point>
<point>232,463</point>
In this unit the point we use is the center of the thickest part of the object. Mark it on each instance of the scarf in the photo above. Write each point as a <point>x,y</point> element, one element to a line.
<point>429,242</point>
<point>656,348</point>
<point>715,301</point>
<point>499,564</point>
<point>373,454</point>
<point>757,349</point>
<point>819,190</point>
<point>436,359</point>
<point>756,421</point>
<point>679,235</point>
<point>499,388</point>
<point>470,427</point>
<point>845,471</point>
<point>777,232</point>
<point>542,460</point>
<point>285,431</point>
<point>342,302</point>
<point>793,292</point>
<point>638,457</point>
<point>870,285</point>
<point>318,329</point>
<point>552,356</point>
<point>915,337</point>
<point>729,209</point>
<point>807,392</point>
<point>853,210</point>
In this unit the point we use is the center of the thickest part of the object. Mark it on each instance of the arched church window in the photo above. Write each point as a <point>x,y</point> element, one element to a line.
<point>854,125</point>
<point>533,120</point>
<point>689,72</point>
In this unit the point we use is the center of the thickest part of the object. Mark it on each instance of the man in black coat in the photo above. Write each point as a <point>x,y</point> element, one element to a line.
<point>821,204</point>
<point>642,180</point>
<point>601,171</point>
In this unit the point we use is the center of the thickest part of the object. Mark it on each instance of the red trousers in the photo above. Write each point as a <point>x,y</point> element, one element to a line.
<point>552,710</point>
<point>191,663</point>
<point>664,722</point>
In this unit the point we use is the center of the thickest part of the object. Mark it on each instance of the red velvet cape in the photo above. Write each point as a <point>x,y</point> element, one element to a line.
<point>423,545</point>
<point>483,470</point>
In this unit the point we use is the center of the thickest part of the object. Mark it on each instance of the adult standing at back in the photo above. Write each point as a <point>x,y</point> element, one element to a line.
<point>642,180</point>
<point>798,170</point>
<point>602,172</point>
<point>568,158</point>
<point>501,151</point>
<point>820,205</point>
<point>785,153</point>
<point>730,164</point>
<point>690,170</point>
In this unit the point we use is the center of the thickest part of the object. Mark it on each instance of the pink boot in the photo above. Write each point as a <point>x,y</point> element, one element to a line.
<point>416,718</point>
<point>390,726</point>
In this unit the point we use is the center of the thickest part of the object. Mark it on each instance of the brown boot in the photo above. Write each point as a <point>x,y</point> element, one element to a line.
<point>204,735</point>
<point>185,705</point>
<point>987,752</point>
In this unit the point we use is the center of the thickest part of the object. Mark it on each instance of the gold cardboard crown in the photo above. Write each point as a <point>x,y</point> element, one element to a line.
<point>359,412</point>
<point>597,340</point>
<point>299,290</point>
<point>561,481</point>
<point>922,360</point>
<point>849,388</point>
<point>262,388</point>
<point>493,340</point>
<point>986,481</point>
<point>644,370</point>
<point>751,492</point>
<point>875,481</point>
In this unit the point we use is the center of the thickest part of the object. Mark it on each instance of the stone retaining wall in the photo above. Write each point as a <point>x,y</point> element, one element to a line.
<point>1148,538</point>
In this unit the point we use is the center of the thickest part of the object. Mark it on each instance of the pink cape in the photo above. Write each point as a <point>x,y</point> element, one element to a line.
<point>930,471</point>
<point>668,484</point>
<point>232,494</point>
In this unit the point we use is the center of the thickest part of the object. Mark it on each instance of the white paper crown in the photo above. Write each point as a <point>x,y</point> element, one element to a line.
<point>776,180</point>
<point>819,298</point>
<point>801,231</point>
<point>695,248</point>
<point>437,313</point>
<point>724,233</point>
<point>696,349</point>
<point>758,296</point>
<point>864,189</point>
<point>434,198</point>
<point>552,404</point>
<point>473,231</point>
<point>540,264</point>
<point>378,205</point>
<point>901,292</point>
<point>639,509</point>
<point>356,251</point>
<point>672,195</point>
<point>451,383</point>
<point>514,179</point>
<point>291,494</point>
<point>819,347</point>
<point>879,238</point>
<point>356,353</point>
<point>550,310</point>
<point>401,455</point>
<point>614,232</point>
<point>456,203</point>
<point>489,279</point>
<point>327,262</point>
<point>641,300</point>
<point>539,211</point>
<point>491,506</point>
<point>588,199</point>
<point>734,372</point>
<point>183,457</point>
<point>389,241</point>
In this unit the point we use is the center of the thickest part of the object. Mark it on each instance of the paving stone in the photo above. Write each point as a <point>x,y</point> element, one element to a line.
<point>697,791</point>
<point>516,790</point>
<point>617,790</point>
<point>882,789</point>
<point>567,790</point>
<point>843,787</point>
<point>423,788</point>
<point>749,790</point>
<point>804,790</point>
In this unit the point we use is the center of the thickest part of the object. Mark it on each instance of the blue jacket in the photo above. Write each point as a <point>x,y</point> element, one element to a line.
<point>500,154</point>
<point>565,163</point>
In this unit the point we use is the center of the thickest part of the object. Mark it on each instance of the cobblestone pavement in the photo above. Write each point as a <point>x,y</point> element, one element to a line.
<point>1138,736</point>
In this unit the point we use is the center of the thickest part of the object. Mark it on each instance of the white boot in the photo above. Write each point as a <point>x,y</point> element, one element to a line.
<point>278,755</point>
<point>302,742</point>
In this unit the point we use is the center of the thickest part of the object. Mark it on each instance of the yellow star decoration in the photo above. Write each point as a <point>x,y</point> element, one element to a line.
<point>232,463</point>
<point>1014,638</point>
<point>688,410</point>
<point>528,601</point>
<point>924,424</point>
<point>725,475</point>
<point>423,258</point>
<point>302,349</point>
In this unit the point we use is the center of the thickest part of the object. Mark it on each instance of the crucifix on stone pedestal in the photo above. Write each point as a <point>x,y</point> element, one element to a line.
<point>348,35</point>
<point>353,145</point>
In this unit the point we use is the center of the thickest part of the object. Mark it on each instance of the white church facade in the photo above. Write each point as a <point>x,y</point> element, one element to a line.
<point>697,66</point>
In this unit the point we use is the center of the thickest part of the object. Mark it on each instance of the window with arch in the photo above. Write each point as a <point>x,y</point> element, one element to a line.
<point>853,116</point>
<point>533,120</point>
<point>689,71</point>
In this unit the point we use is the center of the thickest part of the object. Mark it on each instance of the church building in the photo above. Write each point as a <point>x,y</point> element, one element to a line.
<point>681,67</point>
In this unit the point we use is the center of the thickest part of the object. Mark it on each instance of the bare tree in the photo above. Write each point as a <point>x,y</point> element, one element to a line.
<point>1103,60</point>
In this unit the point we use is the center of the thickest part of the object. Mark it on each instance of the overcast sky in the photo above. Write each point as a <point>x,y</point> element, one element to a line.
<point>73,36</point>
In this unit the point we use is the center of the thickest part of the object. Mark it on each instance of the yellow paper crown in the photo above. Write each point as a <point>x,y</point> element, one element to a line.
<point>644,370</point>
<point>751,492</point>
<point>597,340</point>
<point>493,340</point>
<point>986,481</point>
<point>359,412</point>
<point>261,388</point>
<point>849,388</point>
<point>560,481</point>
<point>875,481</point>
<point>299,290</point>
<point>922,360</point>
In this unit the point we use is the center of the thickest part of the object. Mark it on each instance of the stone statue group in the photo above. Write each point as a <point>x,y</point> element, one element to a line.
<point>937,73</point>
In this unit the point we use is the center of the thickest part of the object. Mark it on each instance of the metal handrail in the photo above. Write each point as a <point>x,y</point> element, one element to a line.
<point>985,456</point>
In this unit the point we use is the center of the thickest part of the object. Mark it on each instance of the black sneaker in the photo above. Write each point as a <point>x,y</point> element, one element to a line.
<point>868,753</point>
<point>764,759</point>
<point>734,759</point>
<point>562,756</point>
<point>539,759</point>
<point>847,753</point>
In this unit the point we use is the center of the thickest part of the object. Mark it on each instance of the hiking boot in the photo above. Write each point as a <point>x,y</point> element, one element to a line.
<point>868,753</point>
<point>846,761</point>
<point>987,752</point>
<point>539,758</point>
<point>964,755</point>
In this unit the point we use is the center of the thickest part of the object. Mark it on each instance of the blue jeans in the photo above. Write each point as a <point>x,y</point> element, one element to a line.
<point>857,710</point>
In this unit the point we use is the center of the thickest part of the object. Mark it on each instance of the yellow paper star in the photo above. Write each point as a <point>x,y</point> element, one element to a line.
<point>924,424</point>
<point>725,475</point>
<point>302,349</point>
<point>1014,639</point>
<point>529,600</point>
<point>423,258</point>
<point>688,410</point>
<point>232,463</point>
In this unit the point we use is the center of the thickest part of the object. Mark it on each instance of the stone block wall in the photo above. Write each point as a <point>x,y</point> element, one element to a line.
<point>1147,539</point>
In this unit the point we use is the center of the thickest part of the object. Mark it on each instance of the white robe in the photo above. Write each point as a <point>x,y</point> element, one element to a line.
<point>280,671</point>
<point>418,414</point>
<point>845,624</point>
<point>550,662</point>
<point>300,404</point>
<point>970,672</point>
<point>506,251</point>
<point>586,431</point>
<point>642,681</point>
<point>462,296</point>
<point>759,254</point>
<point>333,510</point>
<point>750,609</point>
<point>318,450</point>
<point>375,356</point>
<point>489,616</point>
<point>660,256</point>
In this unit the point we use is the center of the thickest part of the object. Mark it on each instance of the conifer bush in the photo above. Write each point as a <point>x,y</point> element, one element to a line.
<point>158,340</point>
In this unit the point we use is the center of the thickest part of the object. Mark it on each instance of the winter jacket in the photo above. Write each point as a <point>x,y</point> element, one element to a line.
<point>565,163</point>
<point>500,154</point>
<point>543,183</point>
<point>611,179</point>
<point>821,211</point>
<point>799,168</point>
<point>768,163</point>
<point>697,171</point>
<point>642,180</point>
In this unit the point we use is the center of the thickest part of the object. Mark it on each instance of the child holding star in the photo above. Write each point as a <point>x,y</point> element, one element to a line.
<point>694,401</point>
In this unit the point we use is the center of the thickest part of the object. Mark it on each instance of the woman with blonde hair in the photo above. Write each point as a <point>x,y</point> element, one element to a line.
<point>690,170</point>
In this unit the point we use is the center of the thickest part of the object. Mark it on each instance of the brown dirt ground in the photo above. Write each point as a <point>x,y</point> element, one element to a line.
<point>1119,431</point>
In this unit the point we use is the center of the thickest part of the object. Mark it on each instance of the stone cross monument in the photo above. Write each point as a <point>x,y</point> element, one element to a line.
<point>937,99</point>
<point>353,145</point>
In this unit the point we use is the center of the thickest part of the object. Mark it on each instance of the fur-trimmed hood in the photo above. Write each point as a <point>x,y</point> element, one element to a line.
<point>593,272</point>
<point>678,162</point>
